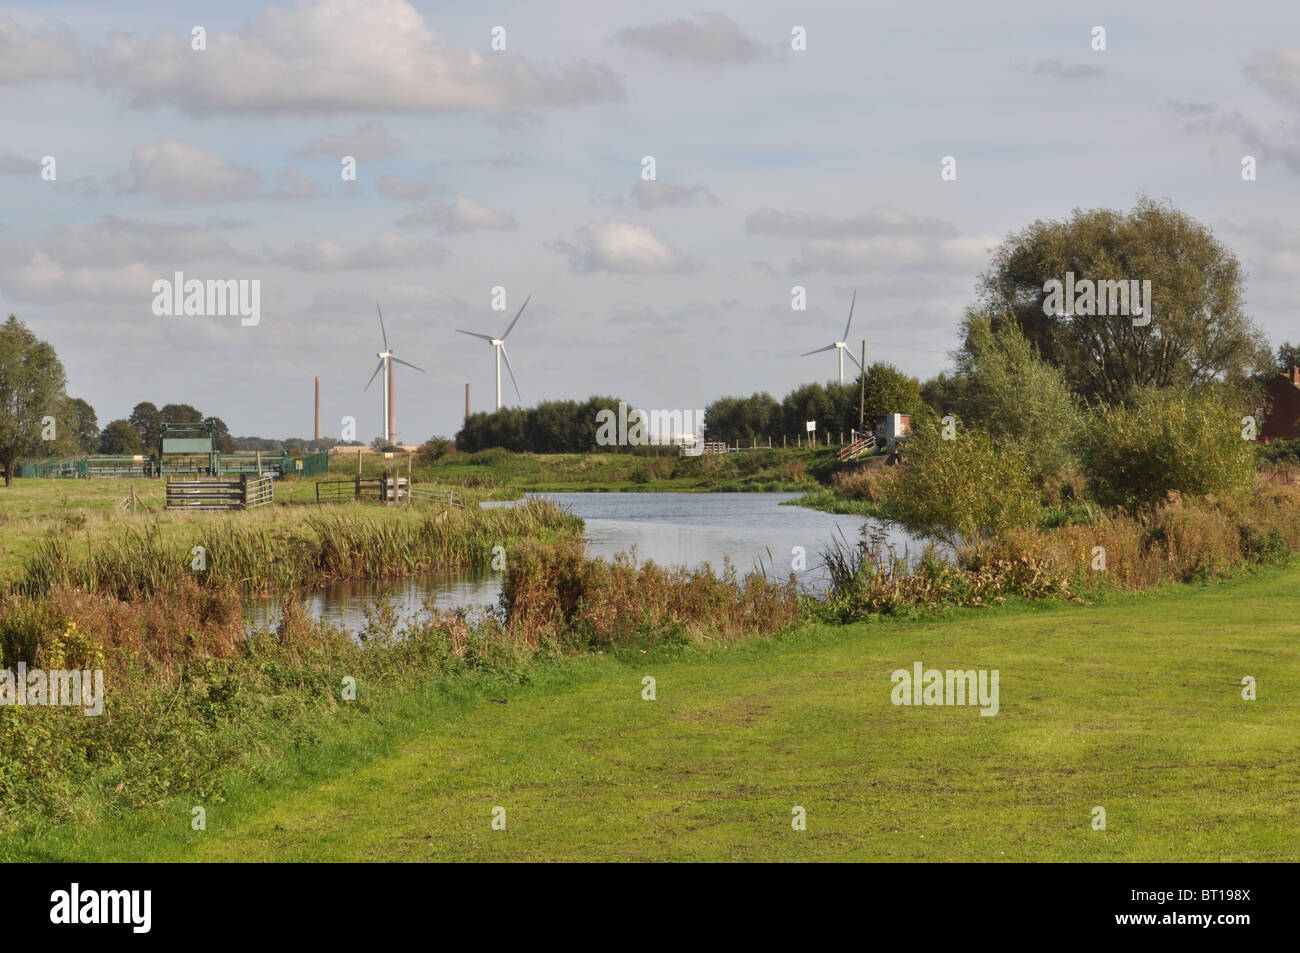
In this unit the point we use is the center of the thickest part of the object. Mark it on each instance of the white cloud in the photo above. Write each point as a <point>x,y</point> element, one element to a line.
<point>388,250</point>
<point>322,57</point>
<point>881,220</point>
<point>624,248</point>
<point>370,140</point>
<point>183,172</point>
<point>29,57</point>
<point>461,215</point>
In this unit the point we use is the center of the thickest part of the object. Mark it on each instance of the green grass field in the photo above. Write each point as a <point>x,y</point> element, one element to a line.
<point>1134,706</point>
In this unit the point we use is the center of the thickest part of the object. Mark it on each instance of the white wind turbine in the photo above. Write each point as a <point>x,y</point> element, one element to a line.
<point>840,345</point>
<point>499,344</point>
<point>386,361</point>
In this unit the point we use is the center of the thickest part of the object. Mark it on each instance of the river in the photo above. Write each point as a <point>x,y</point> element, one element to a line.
<point>684,529</point>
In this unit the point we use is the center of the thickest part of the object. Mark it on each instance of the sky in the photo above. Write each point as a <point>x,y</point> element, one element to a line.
<point>523,168</point>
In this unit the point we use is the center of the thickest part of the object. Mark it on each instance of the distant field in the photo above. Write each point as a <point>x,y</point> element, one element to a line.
<point>1134,706</point>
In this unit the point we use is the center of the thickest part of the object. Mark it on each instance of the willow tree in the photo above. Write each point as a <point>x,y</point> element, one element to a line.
<point>1193,332</point>
<point>32,396</point>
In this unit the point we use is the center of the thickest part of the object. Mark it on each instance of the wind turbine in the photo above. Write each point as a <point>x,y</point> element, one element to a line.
<point>840,345</point>
<point>386,361</point>
<point>499,344</point>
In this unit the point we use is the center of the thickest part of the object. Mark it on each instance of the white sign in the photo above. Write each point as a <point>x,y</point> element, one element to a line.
<point>812,425</point>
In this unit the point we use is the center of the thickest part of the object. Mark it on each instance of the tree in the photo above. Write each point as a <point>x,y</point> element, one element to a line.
<point>888,391</point>
<point>1196,331</point>
<point>743,419</point>
<point>181,414</point>
<point>31,388</point>
<point>147,421</point>
<point>85,428</point>
<point>1288,356</point>
<point>119,438</point>
<point>221,439</point>
<point>1018,398</point>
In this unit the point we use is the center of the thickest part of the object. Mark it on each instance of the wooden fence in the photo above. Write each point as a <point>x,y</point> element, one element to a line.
<point>386,488</point>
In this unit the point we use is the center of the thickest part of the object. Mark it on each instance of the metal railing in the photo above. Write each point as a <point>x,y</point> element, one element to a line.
<point>859,446</point>
<point>240,494</point>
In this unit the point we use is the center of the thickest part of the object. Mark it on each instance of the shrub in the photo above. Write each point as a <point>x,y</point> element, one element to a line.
<point>959,490</point>
<point>1167,441</point>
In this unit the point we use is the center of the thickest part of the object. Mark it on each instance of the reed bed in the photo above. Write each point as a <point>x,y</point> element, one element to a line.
<point>246,553</point>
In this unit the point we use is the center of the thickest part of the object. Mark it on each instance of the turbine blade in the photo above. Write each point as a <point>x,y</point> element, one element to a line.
<point>381,326</point>
<point>475,334</point>
<point>828,347</point>
<point>398,360</point>
<point>855,360</point>
<point>850,321</point>
<point>512,371</point>
<point>373,376</point>
<point>516,320</point>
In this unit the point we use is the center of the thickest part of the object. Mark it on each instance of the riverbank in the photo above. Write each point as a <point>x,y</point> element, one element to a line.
<point>1133,705</point>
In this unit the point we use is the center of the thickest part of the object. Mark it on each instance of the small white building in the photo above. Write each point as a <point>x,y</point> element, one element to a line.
<point>890,428</point>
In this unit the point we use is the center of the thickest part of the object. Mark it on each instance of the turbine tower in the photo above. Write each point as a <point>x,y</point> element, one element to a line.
<point>840,345</point>
<point>386,361</point>
<point>499,344</point>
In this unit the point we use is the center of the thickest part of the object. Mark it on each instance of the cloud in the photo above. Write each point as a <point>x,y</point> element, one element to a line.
<point>1278,72</point>
<point>292,185</point>
<point>1262,143</point>
<point>115,241</point>
<point>182,172</point>
<point>370,140</point>
<point>11,164</point>
<point>1067,71</point>
<point>662,194</point>
<point>388,250</point>
<point>32,57</point>
<point>1189,109</point>
<point>625,249</point>
<point>879,221</point>
<point>461,215</point>
<point>327,57</point>
<point>404,190</point>
<point>114,257</point>
<point>712,38</point>
<point>881,240</point>
<point>882,254</point>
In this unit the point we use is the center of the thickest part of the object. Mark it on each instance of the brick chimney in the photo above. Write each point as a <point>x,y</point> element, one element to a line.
<point>1295,375</point>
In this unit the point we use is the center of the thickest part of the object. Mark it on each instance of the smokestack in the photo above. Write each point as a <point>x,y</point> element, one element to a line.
<point>318,408</point>
<point>392,406</point>
<point>467,400</point>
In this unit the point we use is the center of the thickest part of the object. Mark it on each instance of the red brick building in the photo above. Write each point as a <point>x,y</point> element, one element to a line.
<point>1283,418</point>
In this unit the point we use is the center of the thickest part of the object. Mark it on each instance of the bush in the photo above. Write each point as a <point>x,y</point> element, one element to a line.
<point>1167,441</point>
<point>959,490</point>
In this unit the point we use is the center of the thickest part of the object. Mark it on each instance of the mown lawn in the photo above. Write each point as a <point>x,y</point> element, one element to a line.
<point>1134,706</point>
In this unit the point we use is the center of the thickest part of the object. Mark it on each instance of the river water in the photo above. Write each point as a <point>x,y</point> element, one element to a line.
<point>671,529</point>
